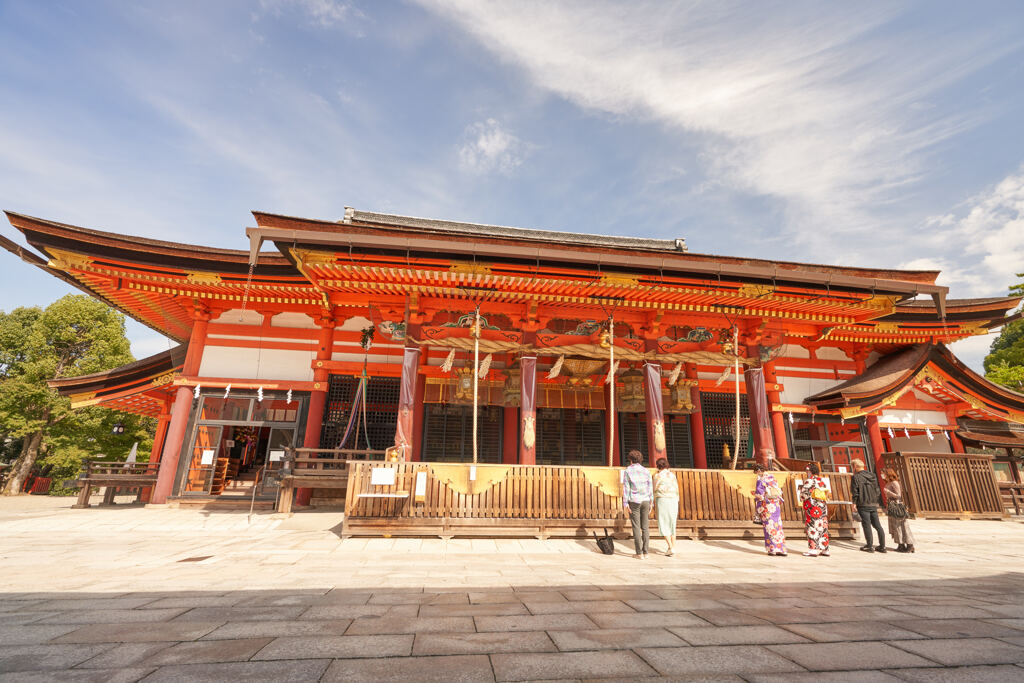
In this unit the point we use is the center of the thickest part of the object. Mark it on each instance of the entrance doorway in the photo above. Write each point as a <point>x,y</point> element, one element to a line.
<point>236,442</point>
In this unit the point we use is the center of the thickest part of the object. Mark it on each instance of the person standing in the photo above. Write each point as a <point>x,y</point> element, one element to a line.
<point>637,495</point>
<point>666,498</point>
<point>768,508</point>
<point>867,497</point>
<point>896,512</point>
<point>814,494</point>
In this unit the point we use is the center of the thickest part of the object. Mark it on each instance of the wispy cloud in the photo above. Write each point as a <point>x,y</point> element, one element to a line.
<point>800,104</point>
<point>322,13</point>
<point>489,147</point>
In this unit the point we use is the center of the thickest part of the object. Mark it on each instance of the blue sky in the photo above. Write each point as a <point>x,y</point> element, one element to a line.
<point>880,134</point>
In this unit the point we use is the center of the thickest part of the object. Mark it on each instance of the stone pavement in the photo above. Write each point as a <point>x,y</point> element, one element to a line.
<point>131,594</point>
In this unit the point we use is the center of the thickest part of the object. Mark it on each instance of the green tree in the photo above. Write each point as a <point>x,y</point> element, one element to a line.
<point>1004,363</point>
<point>75,335</point>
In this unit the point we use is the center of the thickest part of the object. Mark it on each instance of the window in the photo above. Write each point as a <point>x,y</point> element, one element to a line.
<point>829,441</point>
<point>719,413</point>
<point>448,433</point>
<point>378,428</point>
<point>632,430</point>
<point>567,436</point>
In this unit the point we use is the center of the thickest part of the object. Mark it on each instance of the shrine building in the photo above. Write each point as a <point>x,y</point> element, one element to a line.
<point>269,347</point>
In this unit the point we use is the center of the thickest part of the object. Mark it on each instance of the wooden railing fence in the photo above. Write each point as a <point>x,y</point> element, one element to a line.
<point>112,476</point>
<point>549,500</point>
<point>948,484</point>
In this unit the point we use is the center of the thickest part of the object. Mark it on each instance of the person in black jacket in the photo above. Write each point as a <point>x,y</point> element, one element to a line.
<point>867,496</point>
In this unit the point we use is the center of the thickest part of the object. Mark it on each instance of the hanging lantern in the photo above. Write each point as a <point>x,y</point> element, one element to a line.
<point>631,398</point>
<point>512,390</point>
<point>464,384</point>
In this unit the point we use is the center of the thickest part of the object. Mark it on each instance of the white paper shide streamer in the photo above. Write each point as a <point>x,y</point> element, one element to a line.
<point>556,369</point>
<point>446,366</point>
<point>674,375</point>
<point>485,366</point>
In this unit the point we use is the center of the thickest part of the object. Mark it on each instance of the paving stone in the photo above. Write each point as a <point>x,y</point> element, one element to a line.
<point>329,647</point>
<point>124,655</point>
<point>294,671</point>
<point>80,675</point>
<point>1012,623</point>
<point>850,656</point>
<point>482,643</point>
<point>32,634</point>
<point>241,613</point>
<point>341,596</point>
<point>646,620</point>
<point>112,616</point>
<point>259,629</point>
<point>90,603</point>
<point>497,609</point>
<point>614,639</point>
<point>946,612</point>
<point>962,674</point>
<point>402,598</point>
<point>190,601</point>
<point>587,607</point>
<point>528,667</point>
<point>965,651</point>
<point>14,618</point>
<point>543,622</point>
<point>736,635</point>
<point>729,617</point>
<point>444,669</point>
<point>494,598</point>
<point>680,605</point>
<point>208,651</point>
<point>838,631</point>
<point>738,659</point>
<point>827,677</point>
<point>822,615</point>
<point>385,625</point>
<point>133,633</point>
<point>611,594</point>
<point>349,611</point>
<point>37,657</point>
<point>955,628</point>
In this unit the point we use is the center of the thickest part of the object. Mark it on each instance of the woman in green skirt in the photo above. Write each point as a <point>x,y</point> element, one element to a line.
<point>666,497</point>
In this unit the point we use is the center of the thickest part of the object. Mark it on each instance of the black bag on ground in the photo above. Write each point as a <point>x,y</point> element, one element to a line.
<point>606,544</point>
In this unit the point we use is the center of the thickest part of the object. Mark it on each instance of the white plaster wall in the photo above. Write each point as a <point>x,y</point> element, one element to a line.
<point>300,320</point>
<point>269,364</point>
<point>356,324</point>
<point>236,316</point>
<point>919,443</point>
<point>914,417</point>
<point>794,351</point>
<point>796,389</point>
<point>831,353</point>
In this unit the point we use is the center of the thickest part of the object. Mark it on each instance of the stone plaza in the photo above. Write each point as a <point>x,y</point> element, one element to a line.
<point>128,593</point>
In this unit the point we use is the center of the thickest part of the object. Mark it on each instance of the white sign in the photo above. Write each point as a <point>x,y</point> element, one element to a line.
<point>229,443</point>
<point>842,468</point>
<point>472,472</point>
<point>421,484</point>
<point>382,476</point>
<point>207,457</point>
<point>276,456</point>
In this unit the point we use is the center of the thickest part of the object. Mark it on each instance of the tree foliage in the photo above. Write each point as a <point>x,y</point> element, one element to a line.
<point>73,336</point>
<point>1004,363</point>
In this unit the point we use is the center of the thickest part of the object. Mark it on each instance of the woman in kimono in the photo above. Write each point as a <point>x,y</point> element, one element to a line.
<point>814,494</point>
<point>896,511</point>
<point>768,508</point>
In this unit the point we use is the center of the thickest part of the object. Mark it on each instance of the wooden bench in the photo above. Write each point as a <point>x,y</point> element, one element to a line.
<point>315,468</point>
<point>112,476</point>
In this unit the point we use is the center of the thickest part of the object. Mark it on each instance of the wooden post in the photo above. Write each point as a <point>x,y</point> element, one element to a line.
<point>417,415</point>
<point>182,406</point>
<point>700,455</point>
<point>318,396</point>
<point>146,492</point>
<point>83,495</point>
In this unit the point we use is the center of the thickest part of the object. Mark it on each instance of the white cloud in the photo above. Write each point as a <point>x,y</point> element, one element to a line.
<point>806,105</point>
<point>988,236</point>
<point>322,13</point>
<point>488,147</point>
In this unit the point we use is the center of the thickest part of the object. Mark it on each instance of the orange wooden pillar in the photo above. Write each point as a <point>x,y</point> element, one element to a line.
<point>178,423</point>
<point>875,437</point>
<point>778,419</point>
<point>318,396</point>
<point>700,454</point>
<point>158,444</point>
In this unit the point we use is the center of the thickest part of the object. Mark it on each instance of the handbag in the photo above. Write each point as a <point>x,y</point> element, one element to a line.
<point>819,494</point>
<point>896,509</point>
<point>607,544</point>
